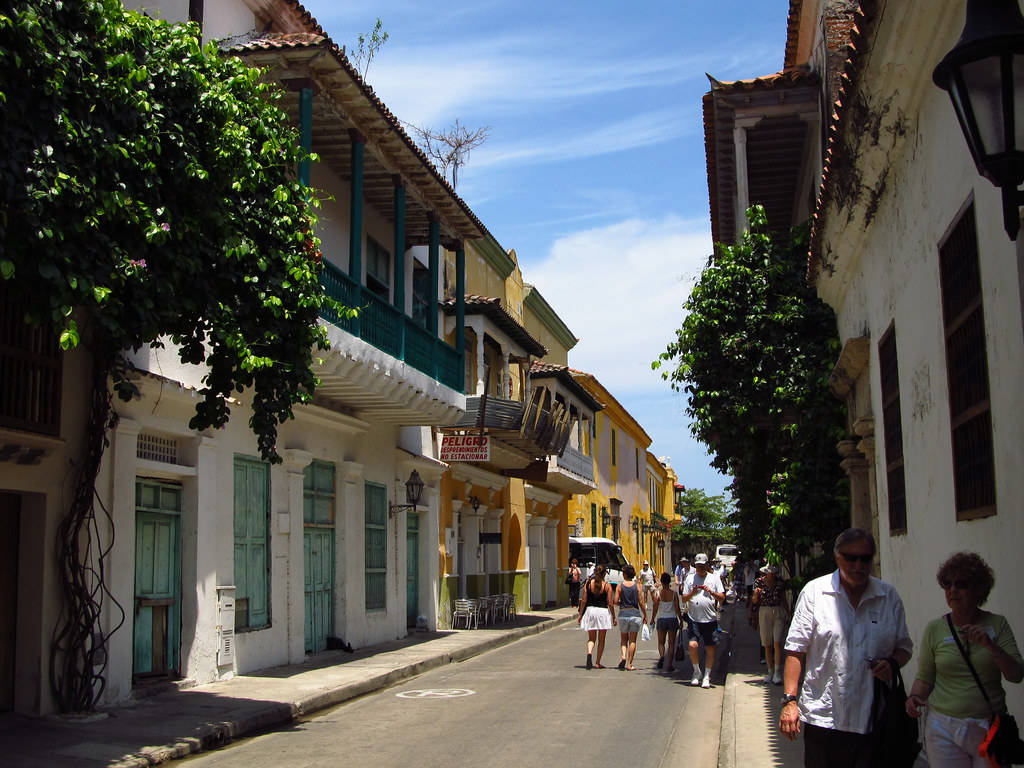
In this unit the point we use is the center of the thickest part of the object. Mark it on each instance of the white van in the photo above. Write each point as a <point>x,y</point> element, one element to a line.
<point>593,550</point>
<point>727,553</point>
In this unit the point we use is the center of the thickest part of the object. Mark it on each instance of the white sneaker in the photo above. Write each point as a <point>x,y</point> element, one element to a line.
<point>695,680</point>
<point>777,677</point>
<point>706,682</point>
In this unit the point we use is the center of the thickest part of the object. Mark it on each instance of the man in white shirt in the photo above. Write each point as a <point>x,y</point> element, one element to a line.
<point>846,627</point>
<point>700,593</point>
<point>647,578</point>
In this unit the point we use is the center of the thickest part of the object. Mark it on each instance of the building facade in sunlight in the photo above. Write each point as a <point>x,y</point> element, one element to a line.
<point>629,503</point>
<point>221,562</point>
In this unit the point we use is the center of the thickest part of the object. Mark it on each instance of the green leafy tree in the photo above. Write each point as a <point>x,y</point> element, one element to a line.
<point>706,520</point>
<point>754,354</point>
<point>148,191</point>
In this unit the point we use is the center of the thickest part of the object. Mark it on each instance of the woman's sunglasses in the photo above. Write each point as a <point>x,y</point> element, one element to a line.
<point>958,583</point>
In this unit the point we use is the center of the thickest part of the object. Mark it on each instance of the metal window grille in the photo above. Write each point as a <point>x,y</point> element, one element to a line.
<point>967,371</point>
<point>156,448</point>
<point>890,379</point>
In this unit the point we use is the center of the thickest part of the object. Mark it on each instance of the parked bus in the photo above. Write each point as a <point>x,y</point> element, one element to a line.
<point>727,553</point>
<point>593,550</point>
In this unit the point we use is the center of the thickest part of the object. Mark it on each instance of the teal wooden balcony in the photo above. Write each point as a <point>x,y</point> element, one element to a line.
<point>385,327</point>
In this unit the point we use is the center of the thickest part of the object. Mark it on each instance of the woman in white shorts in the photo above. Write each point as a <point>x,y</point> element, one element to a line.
<point>597,614</point>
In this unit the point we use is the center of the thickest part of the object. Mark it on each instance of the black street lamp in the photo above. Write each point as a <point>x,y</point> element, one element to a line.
<point>413,489</point>
<point>984,75</point>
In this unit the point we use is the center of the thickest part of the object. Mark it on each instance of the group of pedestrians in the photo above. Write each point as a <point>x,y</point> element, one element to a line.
<point>689,604</point>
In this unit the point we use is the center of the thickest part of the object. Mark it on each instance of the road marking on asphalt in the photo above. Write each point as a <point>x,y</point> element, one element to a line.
<point>435,693</point>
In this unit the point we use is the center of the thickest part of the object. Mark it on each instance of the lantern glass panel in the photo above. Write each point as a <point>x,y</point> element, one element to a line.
<point>983,83</point>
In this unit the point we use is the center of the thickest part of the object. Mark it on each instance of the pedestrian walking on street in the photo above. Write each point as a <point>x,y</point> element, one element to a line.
<point>632,615</point>
<point>769,600</point>
<point>847,627</point>
<point>959,710</point>
<point>668,619</point>
<point>702,592</point>
<point>574,579</point>
<point>596,614</point>
<point>648,582</point>
<point>682,571</point>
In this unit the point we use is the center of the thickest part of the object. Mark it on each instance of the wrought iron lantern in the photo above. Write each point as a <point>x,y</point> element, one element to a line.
<point>413,491</point>
<point>984,75</point>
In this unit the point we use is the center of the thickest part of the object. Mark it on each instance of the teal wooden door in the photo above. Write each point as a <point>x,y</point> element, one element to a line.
<point>157,622</point>
<point>318,553</point>
<point>252,543</point>
<point>412,569</point>
<point>318,546</point>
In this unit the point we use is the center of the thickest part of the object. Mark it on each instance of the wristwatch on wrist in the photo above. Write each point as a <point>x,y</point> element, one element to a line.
<point>788,697</point>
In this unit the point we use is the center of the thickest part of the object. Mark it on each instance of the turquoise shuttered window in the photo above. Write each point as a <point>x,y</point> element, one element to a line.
<point>318,493</point>
<point>376,549</point>
<point>252,543</point>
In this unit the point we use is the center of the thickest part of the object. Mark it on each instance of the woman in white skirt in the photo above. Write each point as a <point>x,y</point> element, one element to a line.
<point>597,614</point>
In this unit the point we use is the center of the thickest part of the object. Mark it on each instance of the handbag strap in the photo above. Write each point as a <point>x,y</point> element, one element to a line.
<point>963,652</point>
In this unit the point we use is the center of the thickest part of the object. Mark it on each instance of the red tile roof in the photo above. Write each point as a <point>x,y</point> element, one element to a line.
<point>864,26</point>
<point>563,373</point>
<point>490,307</point>
<point>317,38</point>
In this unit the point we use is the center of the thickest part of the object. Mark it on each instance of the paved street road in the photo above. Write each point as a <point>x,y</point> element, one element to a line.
<point>531,703</point>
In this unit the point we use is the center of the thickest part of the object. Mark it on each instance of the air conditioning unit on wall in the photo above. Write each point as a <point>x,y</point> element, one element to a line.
<point>226,626</point>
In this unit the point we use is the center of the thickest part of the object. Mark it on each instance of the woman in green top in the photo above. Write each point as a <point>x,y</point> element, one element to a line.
<point>958,714</point>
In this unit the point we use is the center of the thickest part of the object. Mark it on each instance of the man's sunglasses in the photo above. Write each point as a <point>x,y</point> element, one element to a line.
<point>856,558</point>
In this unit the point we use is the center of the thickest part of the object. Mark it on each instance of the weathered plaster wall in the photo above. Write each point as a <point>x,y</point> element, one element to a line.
<point>885,270</point>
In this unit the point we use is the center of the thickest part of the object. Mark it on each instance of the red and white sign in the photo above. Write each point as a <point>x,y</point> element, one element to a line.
<point>465,448</point>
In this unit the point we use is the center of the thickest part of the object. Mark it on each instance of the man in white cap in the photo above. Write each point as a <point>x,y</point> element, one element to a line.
<point>647,577</point>
<point>701,593</point>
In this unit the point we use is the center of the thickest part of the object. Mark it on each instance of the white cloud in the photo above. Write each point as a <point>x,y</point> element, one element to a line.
<point>621,288</point>
<point>638,131</point>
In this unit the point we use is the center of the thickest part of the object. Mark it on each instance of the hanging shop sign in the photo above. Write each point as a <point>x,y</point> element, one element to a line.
<point>465,448</point>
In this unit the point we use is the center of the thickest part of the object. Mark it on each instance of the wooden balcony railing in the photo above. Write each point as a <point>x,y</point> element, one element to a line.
<point>389,330</point>
<point>577,462</point>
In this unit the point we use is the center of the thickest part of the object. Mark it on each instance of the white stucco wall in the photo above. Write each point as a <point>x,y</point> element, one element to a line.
<point>888,271</point>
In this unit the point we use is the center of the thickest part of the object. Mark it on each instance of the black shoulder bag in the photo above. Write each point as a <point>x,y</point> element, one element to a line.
<point>1002,742</point>
<point>894,732</point>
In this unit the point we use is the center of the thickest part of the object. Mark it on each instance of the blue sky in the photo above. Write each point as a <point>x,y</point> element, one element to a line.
<point>594,171</point>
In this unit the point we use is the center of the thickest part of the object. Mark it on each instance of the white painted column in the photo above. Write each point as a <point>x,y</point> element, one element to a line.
<point>481,385</point>
<point>350,555</point>
<point>430,587</point>
<point>506,374</point>
<point>290,522</point>
<point>551,559</point>
<point>199,577</point>
<point>121,566</point>
<point>739,139</point>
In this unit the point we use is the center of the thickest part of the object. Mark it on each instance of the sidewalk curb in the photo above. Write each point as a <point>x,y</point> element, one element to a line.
<point>215,735</point>
<point>727,733</point>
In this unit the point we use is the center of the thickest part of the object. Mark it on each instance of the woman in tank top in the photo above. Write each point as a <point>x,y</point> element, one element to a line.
<point>668,618</point>
<point>597,614</point>
<point>632,615</point>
